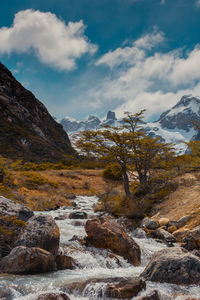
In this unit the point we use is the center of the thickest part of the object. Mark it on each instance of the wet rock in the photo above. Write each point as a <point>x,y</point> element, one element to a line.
<point>41,231</point>
<point>163,221</point>
<point>180,223</point>
<point>106,233</point>
<point>163,235</point>
<point>78,215</point>
<point>192,239</point>
<point>61,217</point>
<point>23,260</point>
<point>125,289</point>
<point>5,292</point>
<point>196,252</point>
<point>173,265</point>
<point>139,233</point>
<point>10,208</point>
<point>64,262</point>
<point>152,224</point>
<point>154,295</point>
<point>53,296</point>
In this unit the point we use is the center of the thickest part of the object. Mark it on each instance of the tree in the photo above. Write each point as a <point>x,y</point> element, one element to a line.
<point>148,153</point>
<point>111,144</point>
<point>129,146</point>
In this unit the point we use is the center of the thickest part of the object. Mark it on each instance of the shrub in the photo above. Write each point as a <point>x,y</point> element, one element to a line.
<point>113,171</point>
<point>34,180</point>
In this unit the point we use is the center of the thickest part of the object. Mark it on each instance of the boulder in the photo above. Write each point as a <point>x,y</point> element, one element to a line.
<point>125,289</point>
<point>65,262</point>
<point>180,234</point>
<point>139,233</point>
<point>192,239</point>
<point>61,217</point>
<point>5,292</point>
<point>163,235</point>
<point>40,231</point>
<point>154,295</point>
<point>163,221</point>
<point>78,215</point>
<point>106,233</point>
<point>23,260</point>
<point>173,265</point>
<point>171,229</point>
<point>11,208</point>
<point>53,296</point>
<point>151,224</point>
<point>180,223</point>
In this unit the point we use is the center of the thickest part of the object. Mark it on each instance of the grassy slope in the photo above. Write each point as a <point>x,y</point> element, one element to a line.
<point>184,201</point>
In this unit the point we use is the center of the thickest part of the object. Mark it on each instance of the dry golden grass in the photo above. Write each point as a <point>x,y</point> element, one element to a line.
<point>44,196</point>
<point>184,201</point>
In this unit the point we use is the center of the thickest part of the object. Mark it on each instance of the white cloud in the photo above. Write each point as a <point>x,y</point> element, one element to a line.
<point>54,42</point>
<point>140,78</point>
<point>134,53</point>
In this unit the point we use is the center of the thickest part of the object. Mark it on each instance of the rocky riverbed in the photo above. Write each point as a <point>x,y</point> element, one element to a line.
<point>75,253</point>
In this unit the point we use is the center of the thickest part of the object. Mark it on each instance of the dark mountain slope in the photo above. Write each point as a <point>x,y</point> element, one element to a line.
<point>27,130</point>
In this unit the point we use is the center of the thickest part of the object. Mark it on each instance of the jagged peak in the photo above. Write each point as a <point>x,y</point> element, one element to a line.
<point>186,100</point>
<point>111,115</point>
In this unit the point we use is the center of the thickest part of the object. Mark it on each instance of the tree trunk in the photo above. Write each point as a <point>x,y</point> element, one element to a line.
<point>125,180</point>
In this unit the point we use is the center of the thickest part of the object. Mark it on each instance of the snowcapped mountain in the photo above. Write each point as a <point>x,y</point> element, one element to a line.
<point>175,125</point>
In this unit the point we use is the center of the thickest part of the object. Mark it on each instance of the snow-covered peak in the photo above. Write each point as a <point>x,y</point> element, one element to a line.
<point>175,125</point>
<point>181,116</point>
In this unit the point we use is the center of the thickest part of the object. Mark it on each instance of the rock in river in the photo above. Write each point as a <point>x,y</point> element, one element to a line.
<point>173,265</point>
<point>53,296</point>
<point>125,289</point>
<point>10,208</point>
<point>41,231</point>
<point>106,233</point>
<point>23,260</point>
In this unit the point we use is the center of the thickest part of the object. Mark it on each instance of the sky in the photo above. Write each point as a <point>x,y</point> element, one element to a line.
<point>85,57</point>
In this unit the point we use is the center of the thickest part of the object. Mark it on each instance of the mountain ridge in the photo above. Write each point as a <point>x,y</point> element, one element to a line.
<point>27,130</point>
<point>175,125</point>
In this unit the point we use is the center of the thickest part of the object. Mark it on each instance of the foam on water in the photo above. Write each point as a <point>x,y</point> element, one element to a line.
<point>93,264</point>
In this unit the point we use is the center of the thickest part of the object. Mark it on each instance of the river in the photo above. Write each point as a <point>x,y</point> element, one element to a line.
<point>92,264</point>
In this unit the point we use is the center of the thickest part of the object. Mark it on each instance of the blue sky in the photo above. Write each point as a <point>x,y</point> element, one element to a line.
<point>83,57</point>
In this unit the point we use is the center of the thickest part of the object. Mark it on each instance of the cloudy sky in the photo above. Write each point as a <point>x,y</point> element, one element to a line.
<point>83,57</point>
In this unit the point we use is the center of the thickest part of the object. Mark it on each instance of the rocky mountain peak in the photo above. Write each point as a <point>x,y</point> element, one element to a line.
<point>182,115</point>
<point>188,100</point>
<point>111,115</point>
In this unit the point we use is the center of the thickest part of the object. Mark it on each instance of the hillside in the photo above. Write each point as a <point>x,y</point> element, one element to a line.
<point>27,130</point>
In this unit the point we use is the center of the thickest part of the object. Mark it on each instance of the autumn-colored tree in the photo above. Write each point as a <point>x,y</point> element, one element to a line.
<point>129,146</point>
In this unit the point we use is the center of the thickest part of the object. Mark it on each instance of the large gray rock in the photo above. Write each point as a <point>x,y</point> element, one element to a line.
<point>11,208</point>
<point>23,260</point>
<point>41,231</point>
<point>173,265</point>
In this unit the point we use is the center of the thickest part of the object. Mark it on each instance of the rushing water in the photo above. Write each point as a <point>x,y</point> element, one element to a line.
<point>93,264</point>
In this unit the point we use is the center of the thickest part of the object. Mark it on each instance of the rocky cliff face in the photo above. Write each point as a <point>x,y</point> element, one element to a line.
<point>27,130</point>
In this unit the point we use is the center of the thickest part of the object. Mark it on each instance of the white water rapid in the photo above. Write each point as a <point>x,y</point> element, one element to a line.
<point>92,264</point>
